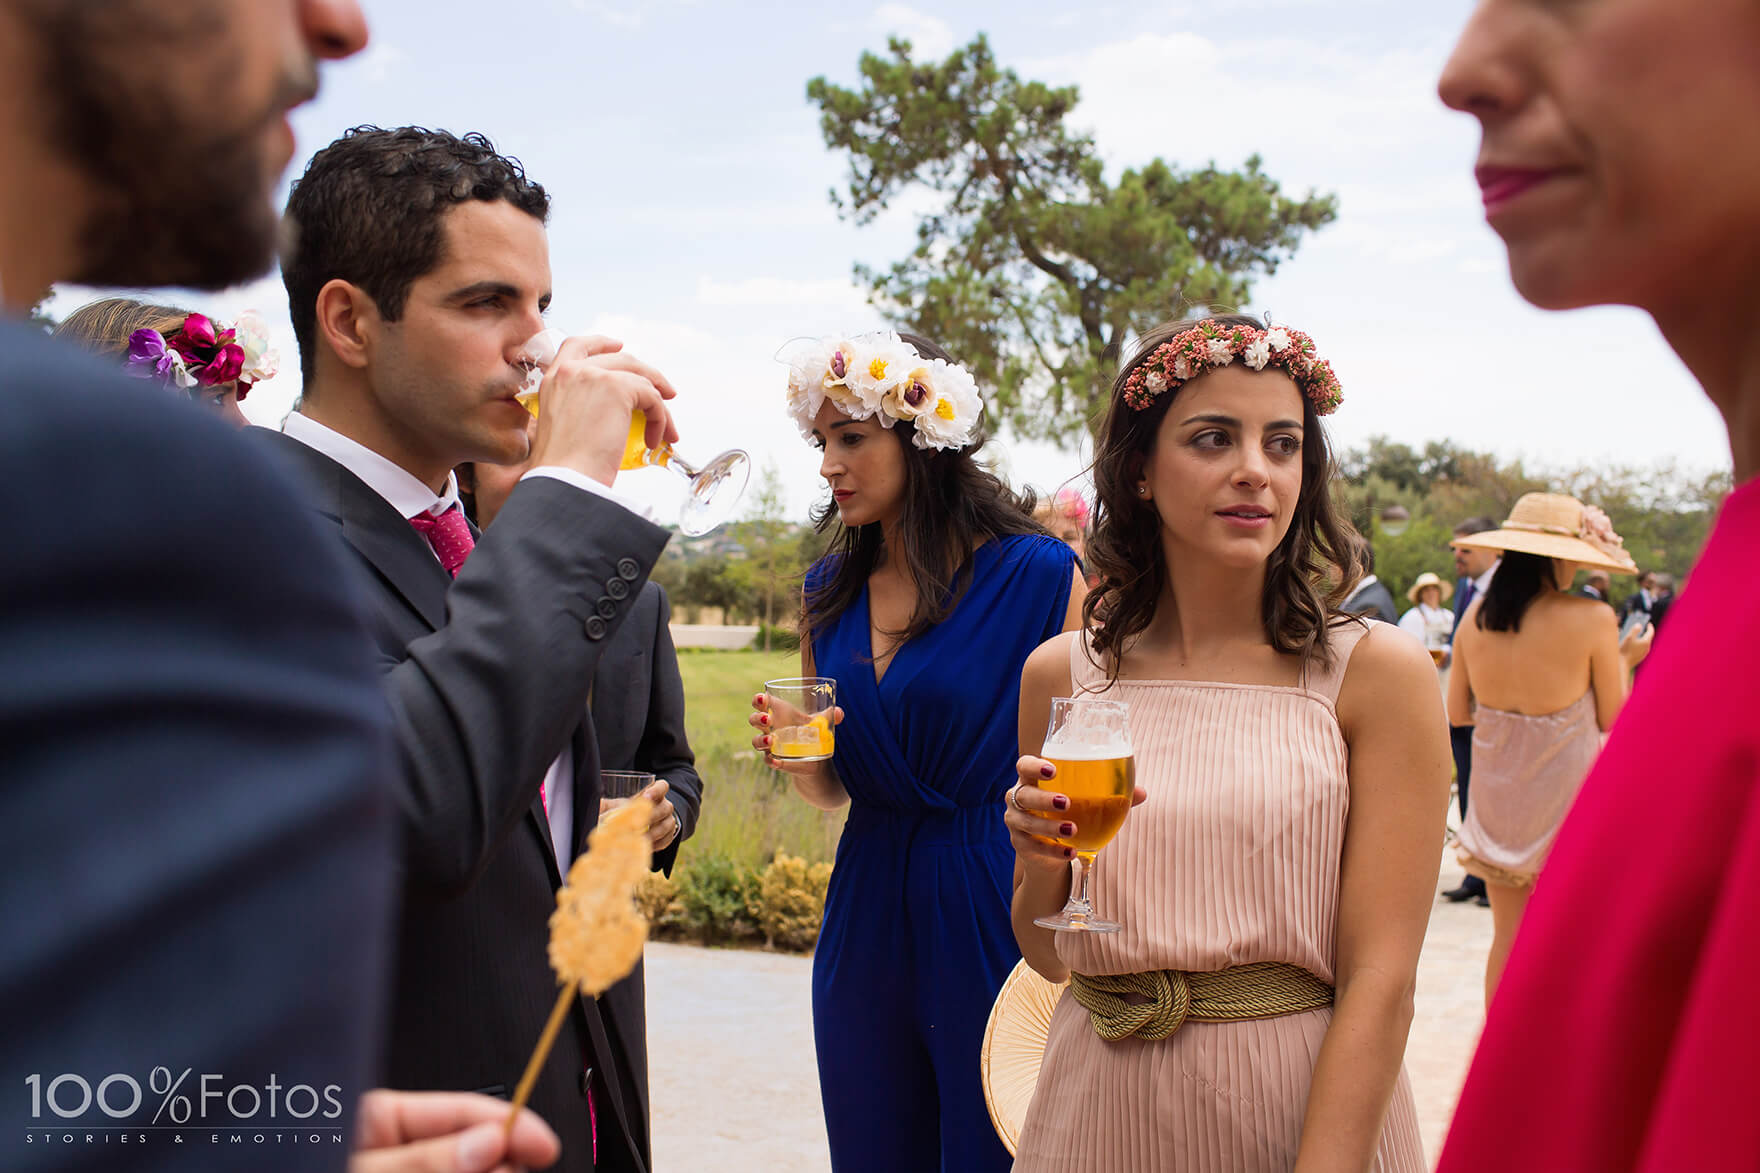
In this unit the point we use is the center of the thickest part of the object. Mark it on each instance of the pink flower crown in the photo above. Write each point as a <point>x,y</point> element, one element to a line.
<point>1210,344</point>
<point>203,354</point>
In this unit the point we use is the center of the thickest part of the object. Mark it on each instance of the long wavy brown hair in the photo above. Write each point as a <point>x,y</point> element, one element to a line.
<point>1308,576</point>
<point>952,505</point>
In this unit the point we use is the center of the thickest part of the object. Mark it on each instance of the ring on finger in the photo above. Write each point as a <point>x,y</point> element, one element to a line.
<point>1014,798</point>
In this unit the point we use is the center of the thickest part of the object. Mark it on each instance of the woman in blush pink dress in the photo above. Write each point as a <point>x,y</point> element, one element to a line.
<point>1294,771</point>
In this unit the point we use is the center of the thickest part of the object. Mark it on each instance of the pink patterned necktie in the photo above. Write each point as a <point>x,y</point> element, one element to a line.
<point>449,534</point>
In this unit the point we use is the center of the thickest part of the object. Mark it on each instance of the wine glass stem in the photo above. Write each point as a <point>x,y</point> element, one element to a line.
<point>1081,898</point>
<point>673,463</point>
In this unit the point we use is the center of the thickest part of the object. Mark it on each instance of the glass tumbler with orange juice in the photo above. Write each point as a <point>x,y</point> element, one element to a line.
<point>1089,742</point>
<point>800,718</point>
<point>714,489</point>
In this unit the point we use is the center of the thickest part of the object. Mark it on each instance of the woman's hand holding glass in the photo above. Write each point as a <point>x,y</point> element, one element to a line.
<point>1036,809</point>
<point>770,714</point>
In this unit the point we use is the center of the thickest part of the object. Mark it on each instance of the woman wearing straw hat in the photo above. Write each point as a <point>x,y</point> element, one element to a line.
<point>1540,674</point>
<point>1428,620</point>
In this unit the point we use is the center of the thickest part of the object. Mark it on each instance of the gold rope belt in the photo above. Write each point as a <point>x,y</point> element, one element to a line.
<point>1264,989</point>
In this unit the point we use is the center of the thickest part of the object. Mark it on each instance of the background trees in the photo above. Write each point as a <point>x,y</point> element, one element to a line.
<point>1034,268</point>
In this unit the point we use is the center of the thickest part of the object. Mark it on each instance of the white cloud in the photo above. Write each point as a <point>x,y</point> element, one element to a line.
<point>929,35</point>
<point>781,291</point>
<point>379,62</point>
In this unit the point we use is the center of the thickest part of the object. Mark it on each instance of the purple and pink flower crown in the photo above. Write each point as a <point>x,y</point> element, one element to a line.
<point>203,354</point>
<point>1210,345</point>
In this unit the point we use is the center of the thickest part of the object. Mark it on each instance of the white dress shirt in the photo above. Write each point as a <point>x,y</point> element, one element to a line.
<point>410,497</point>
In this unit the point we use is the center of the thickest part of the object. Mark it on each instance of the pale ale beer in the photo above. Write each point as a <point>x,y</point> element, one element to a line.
<point>1099,790</point>
<point>1089,741</point>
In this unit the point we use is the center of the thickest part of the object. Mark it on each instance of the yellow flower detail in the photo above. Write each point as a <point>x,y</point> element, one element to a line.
<point>944,409</point>
<point>877,368</point>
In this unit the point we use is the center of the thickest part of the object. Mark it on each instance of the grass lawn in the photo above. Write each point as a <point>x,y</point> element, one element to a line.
<point>718,690</point>
<point>750,812</point>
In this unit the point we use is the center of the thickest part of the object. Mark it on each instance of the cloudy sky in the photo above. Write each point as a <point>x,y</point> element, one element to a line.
<point>691,218</point>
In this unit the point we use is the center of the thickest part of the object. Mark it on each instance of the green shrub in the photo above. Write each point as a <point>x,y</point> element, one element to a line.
<point>716,895</point>
<point>791,902</point>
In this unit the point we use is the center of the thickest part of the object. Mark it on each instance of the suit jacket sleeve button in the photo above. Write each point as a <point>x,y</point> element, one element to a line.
<point>617,589</point>
<point>595,627</point>
<point>606,609</point>
<point>628,569</point>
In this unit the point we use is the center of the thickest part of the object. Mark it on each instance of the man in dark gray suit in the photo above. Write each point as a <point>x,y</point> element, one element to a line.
<point>1371,596</point>
<point>638,711</point>
<point>421,267</point>
<point>637,705</point>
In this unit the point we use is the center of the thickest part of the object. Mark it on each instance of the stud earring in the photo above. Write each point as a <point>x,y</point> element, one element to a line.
<point>1142,490</point>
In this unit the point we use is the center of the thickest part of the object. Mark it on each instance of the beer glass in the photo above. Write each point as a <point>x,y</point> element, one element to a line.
<point>1089,741</point>
<point>714,489</point>
<point>800,718</point>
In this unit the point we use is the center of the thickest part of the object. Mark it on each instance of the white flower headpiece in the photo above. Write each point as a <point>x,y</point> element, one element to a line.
<point>871,375</point>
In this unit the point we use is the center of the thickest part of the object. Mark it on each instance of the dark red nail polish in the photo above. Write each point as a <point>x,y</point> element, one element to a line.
<point>1069,853</point>
<point>1060,802</point>
<point>1067,829</point>
<point>1047,771</point>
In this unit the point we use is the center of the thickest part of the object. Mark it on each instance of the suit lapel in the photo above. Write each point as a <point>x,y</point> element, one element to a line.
<point>400,554</point>
<point>378,532</point>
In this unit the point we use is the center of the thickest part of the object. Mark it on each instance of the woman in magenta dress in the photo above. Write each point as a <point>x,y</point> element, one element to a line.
<point>1621,165</point>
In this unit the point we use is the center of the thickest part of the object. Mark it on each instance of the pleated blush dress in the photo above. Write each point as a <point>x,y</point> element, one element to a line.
<point>1233,859</point>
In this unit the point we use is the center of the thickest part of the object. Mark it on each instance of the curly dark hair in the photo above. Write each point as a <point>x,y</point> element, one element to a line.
<point>368,211</point>
<point>952,504</point>
<point>1308,576</point>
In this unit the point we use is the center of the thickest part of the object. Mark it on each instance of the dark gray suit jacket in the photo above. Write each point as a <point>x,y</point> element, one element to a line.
<point>638,713</point>
<point>1374,600</point>
<point>488,679</point>
<point>195,800</point>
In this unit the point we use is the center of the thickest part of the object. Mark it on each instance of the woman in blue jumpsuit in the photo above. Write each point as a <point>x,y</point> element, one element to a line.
<point>927,655</point>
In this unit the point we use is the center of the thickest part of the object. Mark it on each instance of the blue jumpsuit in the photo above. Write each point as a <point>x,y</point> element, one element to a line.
<point>916,939</point>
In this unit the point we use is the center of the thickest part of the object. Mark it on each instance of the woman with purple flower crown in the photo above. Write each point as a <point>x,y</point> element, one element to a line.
<point>1275,880</point>
<point>937,587</point>
<point>215,364</point>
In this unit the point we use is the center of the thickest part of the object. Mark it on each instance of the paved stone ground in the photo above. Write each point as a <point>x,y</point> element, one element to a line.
<point>731,1045</point>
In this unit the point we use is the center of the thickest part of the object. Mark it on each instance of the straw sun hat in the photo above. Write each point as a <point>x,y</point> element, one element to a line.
<point>1553,525</point>
<point>1014,1046</point>
<point>1428,579</point>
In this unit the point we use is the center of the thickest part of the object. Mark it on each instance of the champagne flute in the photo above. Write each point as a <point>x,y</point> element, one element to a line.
<point>1089,741</point>
<point>714,489</point>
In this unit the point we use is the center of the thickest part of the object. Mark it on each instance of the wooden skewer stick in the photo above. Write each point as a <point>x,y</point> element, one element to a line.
<point>541,1053</point>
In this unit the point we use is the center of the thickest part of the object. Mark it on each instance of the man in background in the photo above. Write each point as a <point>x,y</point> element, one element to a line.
<point>1371,597</point>
<point>1475,568</point>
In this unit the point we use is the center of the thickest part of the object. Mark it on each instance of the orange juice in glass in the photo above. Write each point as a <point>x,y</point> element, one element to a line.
<point>800,718</point>
<point>714,489</point>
